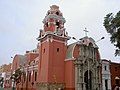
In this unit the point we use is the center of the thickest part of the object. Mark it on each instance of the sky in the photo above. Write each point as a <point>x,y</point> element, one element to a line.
<point>20,21</point>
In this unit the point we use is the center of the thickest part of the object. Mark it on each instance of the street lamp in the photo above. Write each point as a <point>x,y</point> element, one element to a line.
<point>76,39</point>
<point>95,41</point>
<point>100,39</point>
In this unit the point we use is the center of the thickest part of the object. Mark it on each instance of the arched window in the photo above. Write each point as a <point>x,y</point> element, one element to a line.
<point>29,76</point>
<point>44,50</point>
<point>58,49</point>
<point>105,67</point>
<point>35,76</point>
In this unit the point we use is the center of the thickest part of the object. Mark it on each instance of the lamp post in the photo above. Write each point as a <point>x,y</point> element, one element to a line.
<point>95,41</point>
<point>100,39</point>
<point>75,39</point>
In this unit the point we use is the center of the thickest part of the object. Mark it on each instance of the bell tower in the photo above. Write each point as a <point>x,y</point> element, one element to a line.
<point>52,48</point>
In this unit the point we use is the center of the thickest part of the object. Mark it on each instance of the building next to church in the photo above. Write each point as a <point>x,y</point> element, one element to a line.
<point>5,74</point>
<point>28,64</point>
<point>115,75</point>
<point>106,75</point>
<point>55,65</point>
<point>110,75</point>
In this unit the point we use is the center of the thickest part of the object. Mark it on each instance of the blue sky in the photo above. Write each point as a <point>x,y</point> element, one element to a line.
<point>20,21</point>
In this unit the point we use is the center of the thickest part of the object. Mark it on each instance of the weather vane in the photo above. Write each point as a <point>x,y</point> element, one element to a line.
<point>86,32</point>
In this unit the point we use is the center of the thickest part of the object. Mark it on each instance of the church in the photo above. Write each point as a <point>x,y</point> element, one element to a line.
<point>56,65</point>
<point>66,67</point>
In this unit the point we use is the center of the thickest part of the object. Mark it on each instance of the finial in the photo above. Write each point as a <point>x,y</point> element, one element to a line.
<point>54,7</point>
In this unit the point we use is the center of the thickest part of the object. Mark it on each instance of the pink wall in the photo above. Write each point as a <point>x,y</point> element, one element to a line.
<point>70,74</point>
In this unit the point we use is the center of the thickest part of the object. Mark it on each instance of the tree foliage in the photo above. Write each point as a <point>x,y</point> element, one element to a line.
<point>1,81</point>
<point>16,76</point>
<point>112,26</point>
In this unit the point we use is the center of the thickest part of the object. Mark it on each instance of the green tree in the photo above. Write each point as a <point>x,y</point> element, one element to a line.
<point>112,26</point>
<point>16,76</point>
<point>1,81</point>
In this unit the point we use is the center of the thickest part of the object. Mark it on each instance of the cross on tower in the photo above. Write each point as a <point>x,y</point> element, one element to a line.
<point>86,32</point>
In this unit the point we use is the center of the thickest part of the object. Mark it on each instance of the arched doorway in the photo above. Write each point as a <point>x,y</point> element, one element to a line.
<point>88,80</point>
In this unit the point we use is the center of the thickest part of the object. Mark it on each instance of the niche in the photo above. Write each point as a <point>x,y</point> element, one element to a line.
<point>57,24</point>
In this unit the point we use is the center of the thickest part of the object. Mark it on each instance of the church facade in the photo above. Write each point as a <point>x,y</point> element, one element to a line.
<point>66,67</point>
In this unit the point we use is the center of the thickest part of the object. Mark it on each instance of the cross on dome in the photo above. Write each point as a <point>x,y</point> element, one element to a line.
<point>86,32</point>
